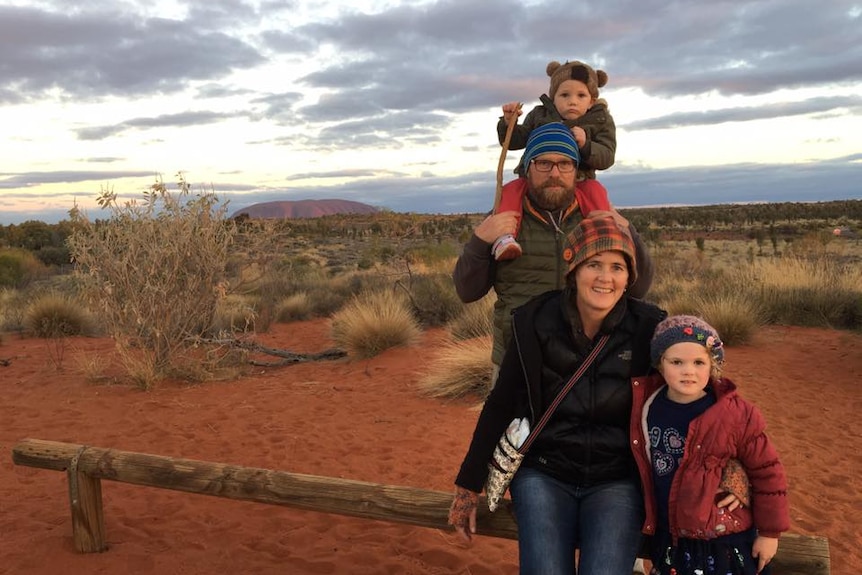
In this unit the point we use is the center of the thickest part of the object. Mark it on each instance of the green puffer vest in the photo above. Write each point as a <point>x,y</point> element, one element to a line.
<point>539,269</point>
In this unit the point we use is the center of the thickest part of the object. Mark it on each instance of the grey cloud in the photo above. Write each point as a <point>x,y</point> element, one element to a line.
<point>88,55</point>
<point>836,179</point>
<point>672,48</point>
<point>446,55</point>
<point>279,108</point>
<point>394,130</point>
<point>288,42</point>
<point>215,14</point>
<point>334,174</point>
<point>405,127</point>
<point>23,180</point>
<point>103,160</point>
<point>215,90</point>
<point>819,105</point>
<point>413,31</point>
<point>463,56</point>
<point>166,120</point>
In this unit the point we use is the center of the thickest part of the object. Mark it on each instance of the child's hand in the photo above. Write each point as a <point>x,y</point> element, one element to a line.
<point>729,500</point>
<point>764,550</point>
<point>580,136</point>
<point>497,225</point>
<point>511,111</point>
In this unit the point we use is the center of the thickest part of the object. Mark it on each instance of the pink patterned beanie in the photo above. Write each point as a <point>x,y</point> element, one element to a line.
<point>680,328</point>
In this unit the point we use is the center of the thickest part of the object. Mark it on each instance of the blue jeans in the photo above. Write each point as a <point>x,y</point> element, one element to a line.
<point>555,518</point>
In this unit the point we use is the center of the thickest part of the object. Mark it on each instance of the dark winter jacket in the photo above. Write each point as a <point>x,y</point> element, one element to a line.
<point>599,151</point>
<point>732,428</point>
<point>586,441</point>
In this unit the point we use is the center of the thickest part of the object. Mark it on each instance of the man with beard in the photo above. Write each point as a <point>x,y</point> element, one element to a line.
<point>551,209</point>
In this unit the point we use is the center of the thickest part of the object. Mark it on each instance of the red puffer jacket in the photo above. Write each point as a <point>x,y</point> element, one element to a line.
<point>732,428</point>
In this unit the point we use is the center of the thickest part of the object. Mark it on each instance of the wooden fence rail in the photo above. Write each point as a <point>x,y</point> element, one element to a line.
<point>86,466</point>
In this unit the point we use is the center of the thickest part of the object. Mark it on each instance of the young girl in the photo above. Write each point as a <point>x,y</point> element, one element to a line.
<point>687,423</point>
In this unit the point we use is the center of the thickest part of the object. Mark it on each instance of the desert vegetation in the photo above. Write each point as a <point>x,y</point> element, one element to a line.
<point>180,287</point>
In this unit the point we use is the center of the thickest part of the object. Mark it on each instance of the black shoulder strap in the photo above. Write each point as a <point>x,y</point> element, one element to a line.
<point>534,433</point>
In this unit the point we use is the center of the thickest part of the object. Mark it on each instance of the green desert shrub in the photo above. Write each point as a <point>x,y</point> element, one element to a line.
<point>54,315</point>
<point>373,322</point>
<point>327,295</point>
<point>434,299</point>
<point>476,319</point>
<point>19,267</point>
<point>54,256</point>
<point>460,368</point>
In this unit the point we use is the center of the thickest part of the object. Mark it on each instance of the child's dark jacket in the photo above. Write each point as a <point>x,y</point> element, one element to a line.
<point>600,149</point>
<point>732,428</point>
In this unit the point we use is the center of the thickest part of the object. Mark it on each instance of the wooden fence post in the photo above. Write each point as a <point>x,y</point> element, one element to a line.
<point>85,500</point>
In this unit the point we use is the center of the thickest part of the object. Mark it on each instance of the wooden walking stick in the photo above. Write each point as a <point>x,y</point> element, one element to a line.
<point>513,121</point>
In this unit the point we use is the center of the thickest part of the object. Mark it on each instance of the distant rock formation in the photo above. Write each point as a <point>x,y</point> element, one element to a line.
<point>304,209</point>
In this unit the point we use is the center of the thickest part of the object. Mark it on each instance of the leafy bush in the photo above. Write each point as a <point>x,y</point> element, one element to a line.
<point>19,267</point>
<point>373,322</point>
<point>154,272</point>
<point>328,295</point>
<point>53,256</point>
<point>434,299</point>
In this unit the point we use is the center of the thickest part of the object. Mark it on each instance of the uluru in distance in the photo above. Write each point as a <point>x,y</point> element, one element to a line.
<point>288,209</point>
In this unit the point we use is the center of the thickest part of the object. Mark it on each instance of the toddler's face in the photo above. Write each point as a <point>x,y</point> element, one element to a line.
<point>686,368</point>
<point>572,99</point>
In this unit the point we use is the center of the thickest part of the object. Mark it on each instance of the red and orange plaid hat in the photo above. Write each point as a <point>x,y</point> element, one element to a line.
<point>596,235</point>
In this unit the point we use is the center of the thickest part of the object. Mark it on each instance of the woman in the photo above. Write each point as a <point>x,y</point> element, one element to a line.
<point>578,485</point>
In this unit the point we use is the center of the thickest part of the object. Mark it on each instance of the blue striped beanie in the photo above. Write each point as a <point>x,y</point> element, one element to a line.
<point>550,138</point>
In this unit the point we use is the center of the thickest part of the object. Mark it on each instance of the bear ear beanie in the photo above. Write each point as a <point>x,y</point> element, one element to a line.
<point>575,70</point>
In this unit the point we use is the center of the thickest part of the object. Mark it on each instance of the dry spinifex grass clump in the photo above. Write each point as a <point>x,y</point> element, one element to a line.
<point>373,322</point>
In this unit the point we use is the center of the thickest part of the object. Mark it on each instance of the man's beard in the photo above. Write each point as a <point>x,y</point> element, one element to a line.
<point>552,200</point>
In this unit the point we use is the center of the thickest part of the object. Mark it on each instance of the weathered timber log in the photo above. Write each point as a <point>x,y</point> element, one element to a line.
<point>288,357</point>
<point>797,554</point>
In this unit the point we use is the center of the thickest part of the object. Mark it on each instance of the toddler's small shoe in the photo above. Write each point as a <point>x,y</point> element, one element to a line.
<point>506,248</point>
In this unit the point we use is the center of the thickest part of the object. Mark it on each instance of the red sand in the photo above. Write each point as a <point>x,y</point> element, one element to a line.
<point>360,420</point>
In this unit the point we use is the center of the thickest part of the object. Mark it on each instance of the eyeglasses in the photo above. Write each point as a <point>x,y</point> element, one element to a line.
<point>565,166</point>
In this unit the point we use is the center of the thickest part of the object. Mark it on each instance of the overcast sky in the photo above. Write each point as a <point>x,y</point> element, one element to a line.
<point>395,103</point>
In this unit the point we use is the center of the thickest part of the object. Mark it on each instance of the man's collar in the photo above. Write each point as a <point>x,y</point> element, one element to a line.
<point>543,214</point>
